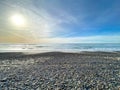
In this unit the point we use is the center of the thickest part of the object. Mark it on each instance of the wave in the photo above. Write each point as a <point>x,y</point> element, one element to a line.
<point>59,47</point>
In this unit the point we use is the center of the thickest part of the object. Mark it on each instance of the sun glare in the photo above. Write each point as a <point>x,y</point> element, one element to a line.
<point>18,20</point>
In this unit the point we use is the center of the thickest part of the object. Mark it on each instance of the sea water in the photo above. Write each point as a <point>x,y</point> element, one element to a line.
<point>64,47</point>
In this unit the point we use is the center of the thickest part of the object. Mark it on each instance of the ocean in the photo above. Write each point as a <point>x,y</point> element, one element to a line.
<point>65,47</point>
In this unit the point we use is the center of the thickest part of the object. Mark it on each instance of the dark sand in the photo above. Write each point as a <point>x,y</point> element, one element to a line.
<point>60,71</point>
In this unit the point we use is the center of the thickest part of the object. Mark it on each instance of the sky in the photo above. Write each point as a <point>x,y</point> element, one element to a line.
<point>59,21</point>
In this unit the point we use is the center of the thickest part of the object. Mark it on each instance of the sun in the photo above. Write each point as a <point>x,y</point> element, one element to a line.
<point>18,20</point>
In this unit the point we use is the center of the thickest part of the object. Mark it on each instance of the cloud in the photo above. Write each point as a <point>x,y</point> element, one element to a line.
<point>40,22</point>
<point>89,39</point>
<point>57,24</point>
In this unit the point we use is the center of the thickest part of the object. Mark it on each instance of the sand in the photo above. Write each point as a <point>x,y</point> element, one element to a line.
<point>60,71</point>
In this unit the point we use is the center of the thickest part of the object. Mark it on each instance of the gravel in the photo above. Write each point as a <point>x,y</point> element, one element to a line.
<point>60,71</point>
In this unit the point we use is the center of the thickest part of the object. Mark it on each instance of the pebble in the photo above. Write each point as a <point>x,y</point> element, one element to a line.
<point>66,72</point>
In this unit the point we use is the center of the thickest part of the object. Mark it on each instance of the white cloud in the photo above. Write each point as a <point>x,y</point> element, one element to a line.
<point>90,39</point>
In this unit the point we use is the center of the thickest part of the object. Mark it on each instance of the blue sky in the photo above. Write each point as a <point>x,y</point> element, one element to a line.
<point>61,20</point>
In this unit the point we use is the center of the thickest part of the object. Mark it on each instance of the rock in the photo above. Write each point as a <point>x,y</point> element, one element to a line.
<point>3,80</point>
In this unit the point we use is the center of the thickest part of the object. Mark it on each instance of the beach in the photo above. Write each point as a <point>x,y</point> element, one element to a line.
<point>60,71</point>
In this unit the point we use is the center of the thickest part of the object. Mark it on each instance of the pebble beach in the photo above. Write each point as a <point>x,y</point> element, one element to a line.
<point>60,71</point>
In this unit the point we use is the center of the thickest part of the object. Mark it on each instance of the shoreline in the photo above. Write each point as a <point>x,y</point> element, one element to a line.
<point>57,51</point>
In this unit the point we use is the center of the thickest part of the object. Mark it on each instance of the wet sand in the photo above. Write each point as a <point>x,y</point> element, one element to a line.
<point>60,71</point>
